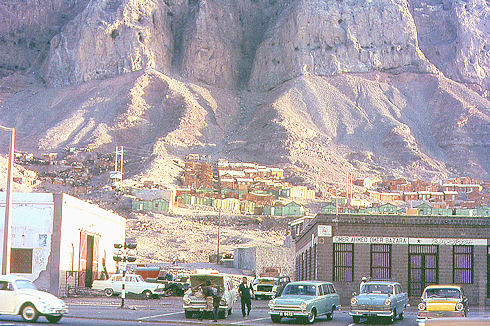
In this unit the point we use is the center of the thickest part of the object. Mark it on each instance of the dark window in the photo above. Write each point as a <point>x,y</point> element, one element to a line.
<point>21,261</point>
<point>343,262</point>
<point>463,264</point>
<point>325,288</point>
<point>381,261</point>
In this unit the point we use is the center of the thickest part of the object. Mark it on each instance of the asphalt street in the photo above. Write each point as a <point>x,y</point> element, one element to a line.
<point>168,311</point>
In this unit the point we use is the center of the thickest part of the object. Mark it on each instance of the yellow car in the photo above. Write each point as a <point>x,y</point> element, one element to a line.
<point>442,301</point>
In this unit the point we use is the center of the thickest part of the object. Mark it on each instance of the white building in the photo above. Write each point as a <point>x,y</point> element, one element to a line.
<point>60,241</point>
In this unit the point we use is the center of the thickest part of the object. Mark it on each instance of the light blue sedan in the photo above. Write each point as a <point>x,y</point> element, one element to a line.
<point>305,300</point>
<point>379,299</point>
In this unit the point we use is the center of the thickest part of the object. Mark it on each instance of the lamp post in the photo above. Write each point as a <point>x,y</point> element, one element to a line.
<point>7,227</point>
<point>123,253</point>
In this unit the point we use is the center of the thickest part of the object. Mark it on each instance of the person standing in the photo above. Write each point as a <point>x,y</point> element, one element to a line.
<point>245,290</point>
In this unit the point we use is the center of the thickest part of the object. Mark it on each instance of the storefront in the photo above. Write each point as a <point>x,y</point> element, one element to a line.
<point>415,251</point>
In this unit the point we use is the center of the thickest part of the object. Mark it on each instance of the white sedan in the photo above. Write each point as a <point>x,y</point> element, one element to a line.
<point>18,296</point>
<point>134,284</point>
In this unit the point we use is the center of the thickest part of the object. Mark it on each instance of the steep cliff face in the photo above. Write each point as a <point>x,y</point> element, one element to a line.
<point>26,27</point>
<point>331,37</point>
<point>319,86</point>
<point>454,36</point>
<point>109,38</point>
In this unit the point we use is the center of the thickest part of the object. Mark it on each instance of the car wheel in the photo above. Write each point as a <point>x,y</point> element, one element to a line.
<point>147,294</point>
<point>109,292</point>
<point>310,319</point>
<point>356,319</point>
<point>330,315</point>
<point>276,319</point>
<point>391,319</point>
<point>188,314</point>
<point>53,319</point>
<point>29,313</point>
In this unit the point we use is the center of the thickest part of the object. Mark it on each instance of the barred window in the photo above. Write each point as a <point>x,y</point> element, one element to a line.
<point>21,260</point>
<point>343,262</point>
<point>463,264</point>
<point>381,261</point>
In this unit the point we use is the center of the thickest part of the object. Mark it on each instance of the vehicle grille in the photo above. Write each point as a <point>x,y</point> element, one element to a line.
<point>287,307</point>
<point>264,288</point>
<point>371,307</point>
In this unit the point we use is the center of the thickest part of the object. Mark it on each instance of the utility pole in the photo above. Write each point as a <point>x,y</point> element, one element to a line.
<point>219,228</point>
<point>118,165</point>
<point>7,227</point>
<point>123,253</point>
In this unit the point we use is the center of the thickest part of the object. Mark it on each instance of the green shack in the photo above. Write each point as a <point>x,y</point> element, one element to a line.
<point>156,205</point>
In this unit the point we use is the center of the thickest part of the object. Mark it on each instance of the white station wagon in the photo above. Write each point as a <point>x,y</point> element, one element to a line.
<point>18,296</point>
<point>134,284</point>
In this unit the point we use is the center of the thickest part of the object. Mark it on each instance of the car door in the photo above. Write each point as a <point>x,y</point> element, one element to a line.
<point>319,303</point>
<point>334,295</point>
<point>403,298</point>
<point>132,286</point>
<point>8,298</point>
<point>116,284</point>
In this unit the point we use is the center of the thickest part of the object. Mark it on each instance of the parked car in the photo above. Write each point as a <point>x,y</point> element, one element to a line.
<point>134,284</point>
<point>18,296</point>
<point>379,299</point>
<point>305,300</point>
<point>456,321</point>
<point>194,300</point>
<point>265,287</point>
<point>177,286</point>
<point>442,301</point>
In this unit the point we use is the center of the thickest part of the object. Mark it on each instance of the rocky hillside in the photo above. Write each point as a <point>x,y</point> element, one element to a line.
<point>396,87</point>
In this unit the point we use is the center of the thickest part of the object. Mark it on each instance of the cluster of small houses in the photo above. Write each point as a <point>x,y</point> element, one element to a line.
<point>465,192</point>
<point>75,167</point>
<point>165,200</point>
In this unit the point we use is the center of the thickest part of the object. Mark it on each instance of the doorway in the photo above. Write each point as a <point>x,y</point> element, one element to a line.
<point>423,268</point>
<point>90,261</point>
<point>89,257</point>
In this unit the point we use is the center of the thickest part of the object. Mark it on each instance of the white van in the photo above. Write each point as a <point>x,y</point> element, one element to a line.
<point>194,300</point>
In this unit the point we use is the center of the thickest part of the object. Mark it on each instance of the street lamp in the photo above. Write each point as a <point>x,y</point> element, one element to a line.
<point>7,227</point>
<point>124,253</point>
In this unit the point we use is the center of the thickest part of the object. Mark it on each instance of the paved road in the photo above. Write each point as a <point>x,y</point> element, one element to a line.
<point>168,311</point>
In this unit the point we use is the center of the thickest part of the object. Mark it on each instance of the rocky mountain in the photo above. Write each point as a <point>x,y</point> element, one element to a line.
<point>321,87</point>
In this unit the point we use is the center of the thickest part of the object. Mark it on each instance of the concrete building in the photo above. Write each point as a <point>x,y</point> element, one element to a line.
<point>260,259</point>
<point>60,241</point>
<point>415,251</point>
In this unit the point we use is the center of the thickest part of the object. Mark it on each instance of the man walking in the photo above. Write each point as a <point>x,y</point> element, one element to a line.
<point>244,290</point>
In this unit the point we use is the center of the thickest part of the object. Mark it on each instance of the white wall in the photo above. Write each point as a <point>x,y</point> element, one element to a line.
<point>32,227</point>
<point>78,215</point>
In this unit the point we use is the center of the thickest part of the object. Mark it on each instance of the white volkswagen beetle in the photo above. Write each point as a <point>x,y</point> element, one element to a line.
<point>18,296</point>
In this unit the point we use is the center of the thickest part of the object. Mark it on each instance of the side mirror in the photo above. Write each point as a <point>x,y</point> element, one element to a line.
<point>354,294</point>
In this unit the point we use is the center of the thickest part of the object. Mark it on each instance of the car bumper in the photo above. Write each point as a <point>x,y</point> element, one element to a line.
<point>422,316</point>
<point>265,294</point>
<point>371,313</point>
<point>54,311</point>
<point>202,307</point>
<point>288,313</point>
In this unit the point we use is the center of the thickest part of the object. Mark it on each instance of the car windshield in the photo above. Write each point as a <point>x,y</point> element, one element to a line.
<point>299,289</point>
<point>377,288</point>
<point>442,293</point>
<point>25,284</point>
